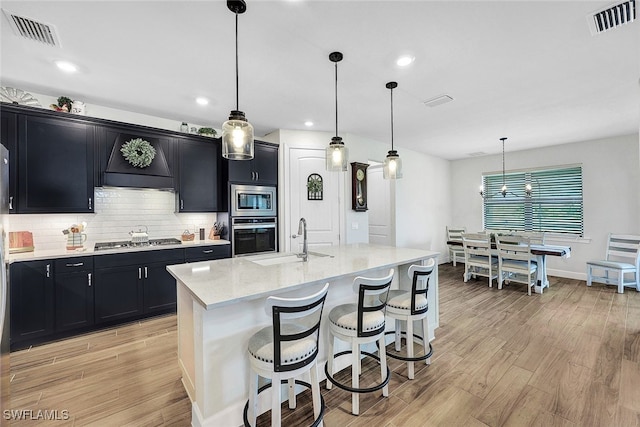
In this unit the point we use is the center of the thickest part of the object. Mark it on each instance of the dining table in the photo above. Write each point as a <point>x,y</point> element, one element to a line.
<point>541,251</point>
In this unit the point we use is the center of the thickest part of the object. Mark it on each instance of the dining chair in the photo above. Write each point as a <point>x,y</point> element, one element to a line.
<point>455,234</point>
<point>478,258</point>
<point>515,262</point>
<point>622,257</point>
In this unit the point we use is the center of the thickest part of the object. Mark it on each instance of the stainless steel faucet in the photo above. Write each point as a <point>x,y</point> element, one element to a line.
<point>302,230</point>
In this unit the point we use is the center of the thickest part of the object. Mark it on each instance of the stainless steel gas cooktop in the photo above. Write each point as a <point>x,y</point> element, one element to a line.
<point>126,244</point>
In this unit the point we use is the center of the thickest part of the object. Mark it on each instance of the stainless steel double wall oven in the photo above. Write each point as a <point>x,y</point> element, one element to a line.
<point>253,219</point>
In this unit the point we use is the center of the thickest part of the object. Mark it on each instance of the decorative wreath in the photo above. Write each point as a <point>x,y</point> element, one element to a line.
<point>138,152</point>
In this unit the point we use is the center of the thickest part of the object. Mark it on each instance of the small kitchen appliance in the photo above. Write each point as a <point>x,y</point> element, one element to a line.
<point>140,236</point>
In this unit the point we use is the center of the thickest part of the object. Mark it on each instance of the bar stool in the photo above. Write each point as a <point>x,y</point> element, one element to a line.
<point>284,351</point>
<point>409,306</point>
<point>357,324</point>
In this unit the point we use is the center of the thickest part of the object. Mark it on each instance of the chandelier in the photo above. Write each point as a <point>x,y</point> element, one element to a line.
<point>503,190</point>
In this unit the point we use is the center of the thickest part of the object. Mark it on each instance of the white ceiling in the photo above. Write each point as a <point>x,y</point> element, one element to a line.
<point>527,70</point>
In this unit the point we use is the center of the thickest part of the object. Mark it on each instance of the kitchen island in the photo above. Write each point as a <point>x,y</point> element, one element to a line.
<point>221,304</point>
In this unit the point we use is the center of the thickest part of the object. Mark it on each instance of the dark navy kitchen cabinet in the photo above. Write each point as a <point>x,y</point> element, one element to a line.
<point>55,165</point>
<point>207,253</point>
<point>32,300</point>
<point>261,170</point>
<point>199,179</point>
<point>9,138</point>
<point>129,285</point>
<point>73,293</point>
<point>159,285</point>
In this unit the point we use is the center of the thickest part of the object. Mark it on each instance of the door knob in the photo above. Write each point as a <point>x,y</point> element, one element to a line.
<point>294,236</point>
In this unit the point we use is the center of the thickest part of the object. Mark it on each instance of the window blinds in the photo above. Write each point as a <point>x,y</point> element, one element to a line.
<point>555,204</point>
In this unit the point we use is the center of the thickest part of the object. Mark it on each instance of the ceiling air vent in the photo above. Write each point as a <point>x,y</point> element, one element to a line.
<point>32,29</point>
<point>612,17</point>
<point>438,100</point>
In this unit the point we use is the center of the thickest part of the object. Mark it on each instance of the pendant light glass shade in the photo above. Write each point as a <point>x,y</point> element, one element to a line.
<point>237,137</point>
<point>237,132</point>
<point>392,168</point>
<point>337,154</point>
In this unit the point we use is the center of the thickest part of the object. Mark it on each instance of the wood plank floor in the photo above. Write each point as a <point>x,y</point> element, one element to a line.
<point>569,357</point>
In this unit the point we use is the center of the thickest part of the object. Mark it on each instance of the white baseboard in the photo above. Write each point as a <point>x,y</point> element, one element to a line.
<point>567,274</point>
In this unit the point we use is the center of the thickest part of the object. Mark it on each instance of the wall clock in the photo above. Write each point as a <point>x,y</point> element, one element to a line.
<point>359,186</point>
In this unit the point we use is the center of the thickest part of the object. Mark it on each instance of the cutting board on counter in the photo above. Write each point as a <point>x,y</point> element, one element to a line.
<point>20,241</point>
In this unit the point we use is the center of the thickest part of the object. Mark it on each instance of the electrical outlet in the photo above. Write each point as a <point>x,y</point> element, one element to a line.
<point>354,225</point>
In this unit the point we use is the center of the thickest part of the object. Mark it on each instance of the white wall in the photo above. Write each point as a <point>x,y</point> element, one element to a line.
<point>423,207</point>
<point>611,192</point>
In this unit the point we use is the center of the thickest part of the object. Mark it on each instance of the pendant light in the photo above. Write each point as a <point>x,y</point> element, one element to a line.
<point>392,164</point>
<point>503,190</point>
<point>337,153</point>
<point>237,132</point>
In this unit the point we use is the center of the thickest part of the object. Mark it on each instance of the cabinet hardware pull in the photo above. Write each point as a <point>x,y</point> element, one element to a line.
<point>89,277</point>
<point>10,203</point>
<point>139,273</point>
<point>208,251</point>
<point>181,204</point>
<point>77,264</point>
<point>145,272</point>
<point>257,176</point>
<point>48,270</point>
<point>90,203</point>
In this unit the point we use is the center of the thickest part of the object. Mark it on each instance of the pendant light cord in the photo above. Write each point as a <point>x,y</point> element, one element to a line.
<point>336,87</point>
<point>237,80</point>
<point>391,119</point>
<point>503,182</point>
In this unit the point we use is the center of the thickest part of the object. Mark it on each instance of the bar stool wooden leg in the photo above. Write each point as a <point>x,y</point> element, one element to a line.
<point>355,378</point>
<point>383,365</point>
<point>253,398</point>
<point>275,401</point>
<point>329,385</point>
<point>410,365</point>
<point>292,394</point>
<point>315,392</point>
<point>425,339</point>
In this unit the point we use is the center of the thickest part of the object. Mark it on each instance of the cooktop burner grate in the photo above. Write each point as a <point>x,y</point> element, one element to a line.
<point>101,246</point>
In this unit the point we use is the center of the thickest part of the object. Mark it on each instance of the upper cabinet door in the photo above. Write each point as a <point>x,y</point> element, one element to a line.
<point>9,138</point>
<point>263,169</point>
<point>55,165</point>
<point>200,165</point>
<point>265,164</point>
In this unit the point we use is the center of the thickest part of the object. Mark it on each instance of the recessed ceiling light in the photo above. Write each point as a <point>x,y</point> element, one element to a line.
<point>66,66</point>
<point>405,60</point>
<point>308,123</point>
<point>202,101</point>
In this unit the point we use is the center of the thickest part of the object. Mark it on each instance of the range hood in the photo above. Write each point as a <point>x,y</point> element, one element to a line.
<point>120,173</point>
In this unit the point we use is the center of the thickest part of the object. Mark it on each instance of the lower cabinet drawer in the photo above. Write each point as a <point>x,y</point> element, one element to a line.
<point>207,253</point>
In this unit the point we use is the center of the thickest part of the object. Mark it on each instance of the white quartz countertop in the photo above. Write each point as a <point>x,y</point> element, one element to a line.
<point>88,250</point>
<point>223,282</point>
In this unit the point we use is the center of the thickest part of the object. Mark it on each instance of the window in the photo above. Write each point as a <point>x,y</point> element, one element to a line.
<point>555,203</point>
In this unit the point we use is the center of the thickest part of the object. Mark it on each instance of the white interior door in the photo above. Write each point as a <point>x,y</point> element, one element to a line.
<point>322,216</point>
<point>381,230</point>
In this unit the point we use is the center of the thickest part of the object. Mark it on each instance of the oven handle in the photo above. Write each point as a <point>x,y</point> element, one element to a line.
<point>252,226</point>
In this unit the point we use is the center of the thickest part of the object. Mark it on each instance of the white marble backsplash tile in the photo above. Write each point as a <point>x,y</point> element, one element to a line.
<point>117,212</point>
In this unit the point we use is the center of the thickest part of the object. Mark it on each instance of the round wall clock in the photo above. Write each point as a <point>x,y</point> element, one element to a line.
<point>18,96</point>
